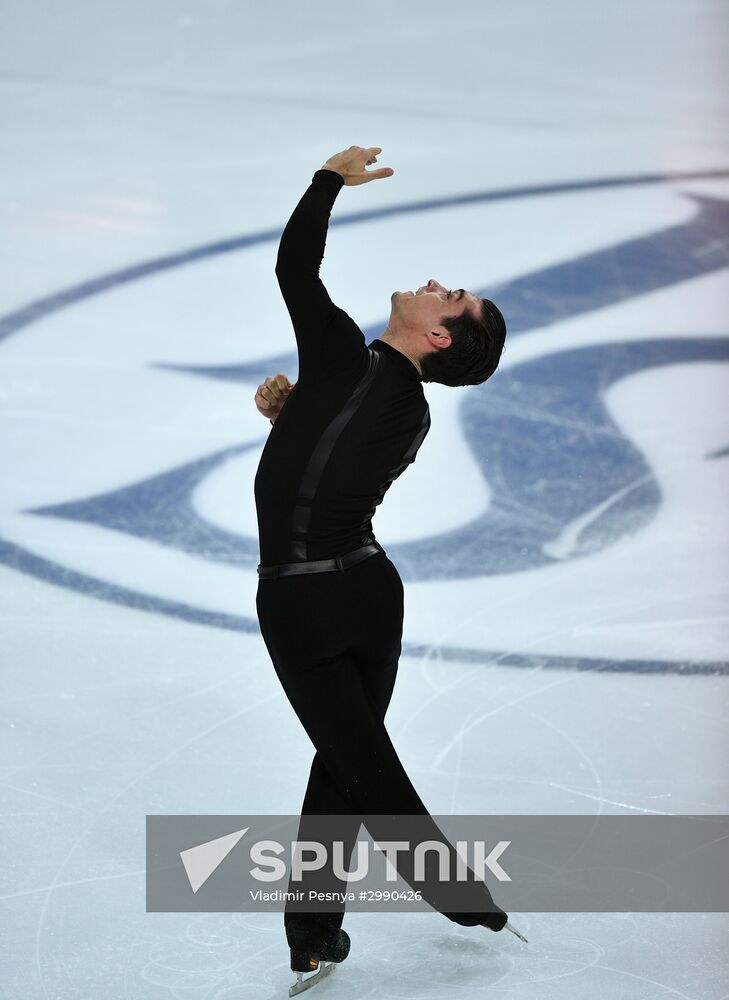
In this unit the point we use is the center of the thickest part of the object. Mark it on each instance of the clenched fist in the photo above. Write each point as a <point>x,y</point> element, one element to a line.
<point>271,395</point>
<point>351,165</point>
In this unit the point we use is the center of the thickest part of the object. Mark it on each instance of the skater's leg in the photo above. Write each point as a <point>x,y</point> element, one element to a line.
<point>377,664</point>
<point>324,633</point>
<point>356,750</point>
<point>323,798</point>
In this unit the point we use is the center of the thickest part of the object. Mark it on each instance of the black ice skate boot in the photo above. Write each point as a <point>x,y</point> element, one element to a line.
<point>314,949</point>
<point>497,920</point>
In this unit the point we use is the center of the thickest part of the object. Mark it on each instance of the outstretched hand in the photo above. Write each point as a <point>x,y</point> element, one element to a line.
<point>351,163</point>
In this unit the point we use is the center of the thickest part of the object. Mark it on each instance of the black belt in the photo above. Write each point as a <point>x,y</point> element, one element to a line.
<point>320,565</point>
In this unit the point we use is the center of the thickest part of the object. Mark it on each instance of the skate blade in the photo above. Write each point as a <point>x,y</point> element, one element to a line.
<point>301,984</point>
<point>513,930</point>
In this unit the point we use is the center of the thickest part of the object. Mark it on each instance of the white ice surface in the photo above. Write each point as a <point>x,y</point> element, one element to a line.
<point>129,132</point>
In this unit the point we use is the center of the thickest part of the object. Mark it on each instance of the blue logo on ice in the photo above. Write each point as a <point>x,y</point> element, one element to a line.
<point>553,478</point>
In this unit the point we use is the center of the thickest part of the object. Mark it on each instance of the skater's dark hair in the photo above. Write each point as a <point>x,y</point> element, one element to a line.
<point>474,351</point>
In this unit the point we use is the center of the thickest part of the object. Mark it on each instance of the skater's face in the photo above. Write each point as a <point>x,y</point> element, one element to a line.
<point>425,308</point>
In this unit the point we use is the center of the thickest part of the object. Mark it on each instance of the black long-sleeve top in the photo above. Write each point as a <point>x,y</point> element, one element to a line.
<point>354,420</point>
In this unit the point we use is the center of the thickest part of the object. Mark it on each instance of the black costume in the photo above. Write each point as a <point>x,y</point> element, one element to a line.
<point>353,422</point>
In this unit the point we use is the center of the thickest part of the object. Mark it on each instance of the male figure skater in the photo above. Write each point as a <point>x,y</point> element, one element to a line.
<point>329,600</point>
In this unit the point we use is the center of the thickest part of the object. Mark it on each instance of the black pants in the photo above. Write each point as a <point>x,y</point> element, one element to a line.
<point>335,639</point>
